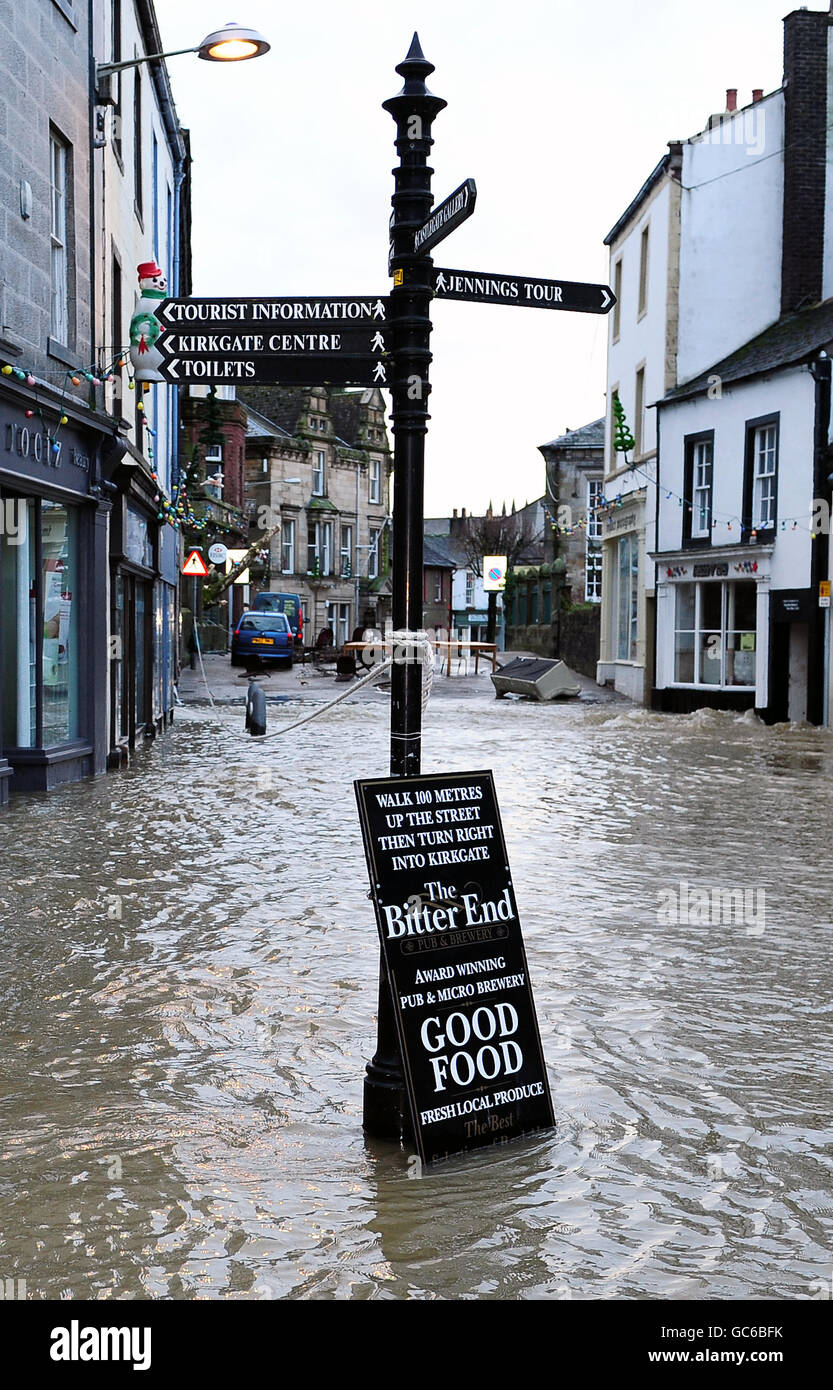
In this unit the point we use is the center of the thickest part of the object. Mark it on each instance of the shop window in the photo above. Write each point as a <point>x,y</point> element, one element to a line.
<point>626,609</point>
<point>138,545</point>
<point>39,625</point>
<point>715,634</point>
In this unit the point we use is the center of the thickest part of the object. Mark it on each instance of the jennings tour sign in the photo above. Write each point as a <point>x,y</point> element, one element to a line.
<point>455,959</point>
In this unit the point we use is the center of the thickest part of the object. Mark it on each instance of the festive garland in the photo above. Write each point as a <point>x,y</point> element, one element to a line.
<point>176,511</point>
<point>623,441</point>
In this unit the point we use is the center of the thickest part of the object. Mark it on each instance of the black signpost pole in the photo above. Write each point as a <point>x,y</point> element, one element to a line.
<point>409,324</point>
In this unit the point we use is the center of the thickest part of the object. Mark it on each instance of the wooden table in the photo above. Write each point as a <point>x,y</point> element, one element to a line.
<point>487,649</point>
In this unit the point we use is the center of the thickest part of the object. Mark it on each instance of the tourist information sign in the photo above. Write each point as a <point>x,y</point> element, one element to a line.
<point>455,959</point>
<point>293,340</point>
<point>449,214</point>
<point>484,287</point>
<point>292,309</point>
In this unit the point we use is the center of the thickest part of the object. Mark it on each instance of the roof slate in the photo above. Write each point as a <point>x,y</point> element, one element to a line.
<point>590,436</point>
<point>435,558</point>
<point>788,342</point>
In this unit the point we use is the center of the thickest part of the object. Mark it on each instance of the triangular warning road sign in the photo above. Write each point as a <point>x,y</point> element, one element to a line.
<point>195,564</point>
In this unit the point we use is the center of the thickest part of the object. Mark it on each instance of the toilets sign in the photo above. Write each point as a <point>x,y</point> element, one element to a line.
<point>455,960</point>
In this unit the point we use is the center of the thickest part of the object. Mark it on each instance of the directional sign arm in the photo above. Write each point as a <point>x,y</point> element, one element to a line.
<point>523,291</point>
<point>458,206</point>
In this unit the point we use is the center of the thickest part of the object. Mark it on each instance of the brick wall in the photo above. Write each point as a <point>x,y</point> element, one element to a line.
<point>805,141</point>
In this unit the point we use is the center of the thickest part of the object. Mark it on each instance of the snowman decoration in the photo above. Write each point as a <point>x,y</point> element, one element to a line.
<point>145,327</point>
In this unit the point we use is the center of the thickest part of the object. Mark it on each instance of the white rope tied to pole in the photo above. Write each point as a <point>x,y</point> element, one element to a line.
<point>413,642</point>
<point>202,668</point>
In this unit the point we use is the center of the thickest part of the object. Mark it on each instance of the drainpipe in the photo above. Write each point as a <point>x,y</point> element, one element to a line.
<point>817,672</point>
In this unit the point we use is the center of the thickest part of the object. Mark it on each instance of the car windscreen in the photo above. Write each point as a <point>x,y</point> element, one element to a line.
<point>264,622</point>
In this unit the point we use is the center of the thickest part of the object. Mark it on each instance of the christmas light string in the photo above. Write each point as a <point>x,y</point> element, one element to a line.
<point>623,441</point>
<point>176,511</point>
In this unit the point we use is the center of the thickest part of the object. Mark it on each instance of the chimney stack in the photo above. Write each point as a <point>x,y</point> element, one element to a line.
<point>757,92</point>
<point>731,98</point>
<point>805,147</point>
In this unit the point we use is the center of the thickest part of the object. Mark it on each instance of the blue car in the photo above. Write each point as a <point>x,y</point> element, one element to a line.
<point>262,637</point>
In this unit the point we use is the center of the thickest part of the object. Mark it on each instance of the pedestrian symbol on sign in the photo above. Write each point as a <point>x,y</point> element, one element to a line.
<point>195,565</point>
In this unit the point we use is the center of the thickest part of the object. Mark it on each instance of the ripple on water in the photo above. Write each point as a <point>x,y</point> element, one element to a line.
<point>188,989</point>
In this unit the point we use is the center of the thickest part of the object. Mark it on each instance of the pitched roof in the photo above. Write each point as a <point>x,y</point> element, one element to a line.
<point>283,405</point>
<point>792,340</point>
<point>435,558</point>
<point>258,425</point>
<point>652,179</point>
<point>452,549</point>
<point>590,436</point>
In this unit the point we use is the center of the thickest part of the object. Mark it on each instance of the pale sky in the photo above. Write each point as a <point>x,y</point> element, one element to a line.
<point>558,111</point>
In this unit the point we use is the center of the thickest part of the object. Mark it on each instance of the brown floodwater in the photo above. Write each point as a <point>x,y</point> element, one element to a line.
<point>188,969</point>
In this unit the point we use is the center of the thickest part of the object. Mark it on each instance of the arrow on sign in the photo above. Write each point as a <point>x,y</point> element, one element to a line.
<point>484,287</point>
<point>248,340</point>
<point>260,313</point>
<point>276,371</point>
<point>457,207</point>
<point>195,564</point>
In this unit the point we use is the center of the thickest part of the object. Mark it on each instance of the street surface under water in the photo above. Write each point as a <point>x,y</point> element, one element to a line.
<point>188,976</point>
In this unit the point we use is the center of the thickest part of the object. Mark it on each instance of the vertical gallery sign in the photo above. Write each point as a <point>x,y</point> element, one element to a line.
<point>455,960</point>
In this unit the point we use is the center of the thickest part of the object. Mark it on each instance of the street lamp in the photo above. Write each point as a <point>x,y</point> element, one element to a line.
<point>231,44</point>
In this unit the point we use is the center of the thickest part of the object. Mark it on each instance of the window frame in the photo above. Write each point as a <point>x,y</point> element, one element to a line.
<point>702,536</point>
<point>750,519</point>
<point>728,626</point>
<point>59,228</point>
<point>138,144</point>
<point>374,481</point>
<point>374,539</point>
<point>288,545</point>
<point>644,269</point>
<point>639,410</point>
<point>594,491</point>
<point>346,550</point>
<point>617,308</point>
<point>319,473</point>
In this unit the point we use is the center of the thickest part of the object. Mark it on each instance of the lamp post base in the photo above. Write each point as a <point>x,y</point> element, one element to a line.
<point>383,1104</point>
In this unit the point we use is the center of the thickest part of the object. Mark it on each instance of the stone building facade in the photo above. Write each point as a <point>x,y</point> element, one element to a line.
<point>318,464</point>
<point>88,565</point>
